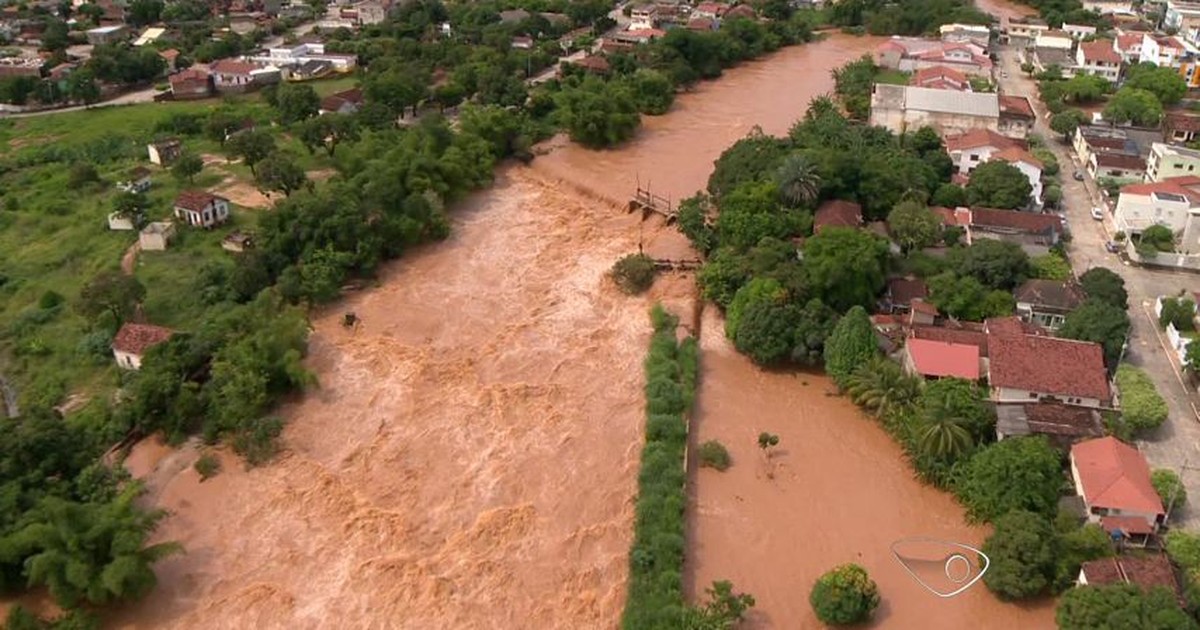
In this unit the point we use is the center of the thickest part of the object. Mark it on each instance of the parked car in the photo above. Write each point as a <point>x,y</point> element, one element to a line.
<point>1112,247</point>
<point>1078,176</point>
<point>1097,213</point>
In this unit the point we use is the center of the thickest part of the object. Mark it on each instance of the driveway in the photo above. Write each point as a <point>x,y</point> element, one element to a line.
<point>1176,444</point>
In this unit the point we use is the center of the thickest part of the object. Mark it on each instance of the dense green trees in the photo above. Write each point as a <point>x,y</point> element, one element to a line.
<point>112,293</point>
<point>1178,311</point>
<point>844,595</point>
<point>634,273</point>
<point>852,83</point>
<point>1121,606</point>
<point>598,114</point>
<point>1132,105</point>
<point>846,265</point>
<point>295,102</point>
<point>851,344</point>
<point>1142,408</point>
<point>1022,554</point>
<point>881,387</point>
<point>1169,488</point>
<point>994,263</point>
<point>966,298</point>
<point>1104,285</point>
<point>280,171</point>
<point>914,226</point>
<point>1066,121</point>
<point>1154,239</point>
<point>998,184</point>
<point>1164,83</point>
<point>1100,322</point>
<point>187,166</point>
<point>251,146</point>
<point>1023,473</point>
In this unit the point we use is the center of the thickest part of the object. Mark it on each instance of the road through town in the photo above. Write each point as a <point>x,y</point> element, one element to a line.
<point>1176,444</point>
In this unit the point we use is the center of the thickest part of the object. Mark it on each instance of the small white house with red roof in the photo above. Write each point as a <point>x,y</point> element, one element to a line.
<point>1172,202</point>
<point>1128,46</point>
<point>941,78</point>
<point>201,209</point>
<point>1113,480</point>
<point>971,148</point>
<point>1099,58</point>
<point>133,340</point>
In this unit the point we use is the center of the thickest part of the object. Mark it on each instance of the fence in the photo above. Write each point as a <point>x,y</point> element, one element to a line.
<point>1164,259</point>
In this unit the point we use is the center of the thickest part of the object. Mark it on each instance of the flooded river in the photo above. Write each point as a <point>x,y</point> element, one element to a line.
<point>470,458</point>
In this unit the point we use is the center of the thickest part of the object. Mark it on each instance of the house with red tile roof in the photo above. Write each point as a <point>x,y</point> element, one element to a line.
<point>1128,46</point>
<point>189,84</point>
<point>911,54</point>
<point>974,147</point>
<point>201,209</point>
<point>133,340</point>
<point>1099,58</point>
<point>1181,126</point>
<point>1148,571</point>
<point>1035,232</point>
<point>1024,368</point>
<point>232,75</point>
<point>1113,480</point>
<point>941,78</point>
<point>1016,116</point>
<point>939,359</point>
<point>837,213</point>
<point>344,102</point>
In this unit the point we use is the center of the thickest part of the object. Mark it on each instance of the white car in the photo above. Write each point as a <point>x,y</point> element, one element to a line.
<point>1097,213</point>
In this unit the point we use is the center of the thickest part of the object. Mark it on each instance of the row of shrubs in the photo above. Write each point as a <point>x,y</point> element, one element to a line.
<point>656,558</point>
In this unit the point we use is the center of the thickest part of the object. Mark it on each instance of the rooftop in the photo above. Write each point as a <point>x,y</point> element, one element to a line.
<point>1172,150</point>
<point>1037,363</point>
<point>1060,294</point>
<point>1121,161</point>
<point>948,334</point>
<point>135,339</point>
<point>942,359</point>
<point>1058,419</point>
<point>1145,571</point>
<point>904,290</point>
<point>1029,222</point>
<point>1016,106</point>
<point>1187,187</point>
<point>978,138</point>
<point>1100,50</point>
<point>195,200</point>
<point>1114,475</point>
<point>1016,154</point>
<point>233,66</point>
<point>838,213</point>
<point>952,102</point>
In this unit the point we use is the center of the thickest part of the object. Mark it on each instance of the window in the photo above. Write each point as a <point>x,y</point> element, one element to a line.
<point>1178,165</point>
<point>974,157</point>
<point>1033,395</point>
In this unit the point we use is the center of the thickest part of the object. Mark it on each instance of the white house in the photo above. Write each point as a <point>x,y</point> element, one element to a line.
<point>1098,57</point>
<point>1162,51</point>
<point>1184,18</point>
<point>133,340</point>
<point>1060,40</point>
<point>1113,480</point>
<point>1174,203</point>
<point>1078,31</point>
<point>201,209</point>
<point>1129,46</point>
<point>970,149</point>
<point>1168,161</point>
<point>643,16</point>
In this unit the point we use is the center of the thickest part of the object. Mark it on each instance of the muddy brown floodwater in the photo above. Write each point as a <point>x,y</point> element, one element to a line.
<point>470,458</point>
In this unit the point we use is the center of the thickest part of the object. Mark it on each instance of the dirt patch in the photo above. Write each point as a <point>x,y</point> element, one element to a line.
<point>129,260</point>
<point>242,194</point>
<point>29,141</point>
<point>210,159</point>
<point>321,174</point>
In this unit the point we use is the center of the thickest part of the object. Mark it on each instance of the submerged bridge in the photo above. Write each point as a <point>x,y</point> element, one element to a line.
<point>671,264</point>
<point>649,203</point>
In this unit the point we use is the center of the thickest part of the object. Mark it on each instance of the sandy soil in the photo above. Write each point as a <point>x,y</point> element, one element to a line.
<point>469,460</point>
<point>129,258</point>
<point>242,194</point>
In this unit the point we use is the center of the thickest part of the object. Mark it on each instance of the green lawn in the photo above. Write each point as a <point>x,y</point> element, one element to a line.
<point>54,237</point>
<point>893,77</point>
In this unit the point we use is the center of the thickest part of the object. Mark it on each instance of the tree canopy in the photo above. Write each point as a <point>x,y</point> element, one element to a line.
<point>1132,105</point>
<point>851,344</point>
<point>1120,606</point>
<point>1104,285</point>
<point>998,184</point>
<point>1022,554</point>
<point>1164,83</point>
<point>844,595</point>
<point>1100,322</point>
<point>1022,473</point>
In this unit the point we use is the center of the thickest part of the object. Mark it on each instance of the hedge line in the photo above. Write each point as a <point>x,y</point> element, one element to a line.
<point>656,559</point>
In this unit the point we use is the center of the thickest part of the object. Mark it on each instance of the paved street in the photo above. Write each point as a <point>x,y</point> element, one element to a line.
<point>1177,443</point>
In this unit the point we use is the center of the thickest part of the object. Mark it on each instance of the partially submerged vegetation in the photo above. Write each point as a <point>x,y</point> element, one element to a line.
<point>655,600</point>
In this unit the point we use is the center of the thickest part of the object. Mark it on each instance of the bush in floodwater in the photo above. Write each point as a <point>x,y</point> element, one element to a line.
<point>207,466</point>
<point>634,273</point>
<point>713,454</point>
<point>844,595</point>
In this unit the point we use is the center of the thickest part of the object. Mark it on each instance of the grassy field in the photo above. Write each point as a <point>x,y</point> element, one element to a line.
<point>54,236</point>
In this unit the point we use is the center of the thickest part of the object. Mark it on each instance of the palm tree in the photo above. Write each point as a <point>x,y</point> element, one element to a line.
<point>881,387</point>
<point>798,180</point>
<point>942,433</point>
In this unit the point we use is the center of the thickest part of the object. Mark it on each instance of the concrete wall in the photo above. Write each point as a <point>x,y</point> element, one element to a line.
<point>1013,395</point>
